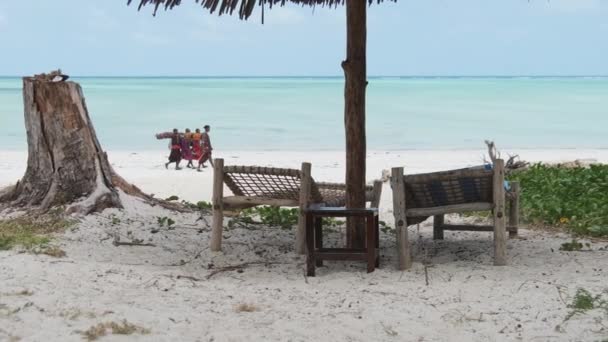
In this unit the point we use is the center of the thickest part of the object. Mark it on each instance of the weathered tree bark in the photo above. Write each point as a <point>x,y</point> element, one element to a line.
<point>66,165</point>
<point>354,114</point>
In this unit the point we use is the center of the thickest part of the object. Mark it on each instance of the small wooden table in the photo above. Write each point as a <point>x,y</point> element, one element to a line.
<point>314,238</point>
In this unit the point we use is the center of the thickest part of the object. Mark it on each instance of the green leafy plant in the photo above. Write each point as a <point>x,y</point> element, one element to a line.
<point>386,229</point>
<point>574,198</point>
<point>479,214</point>
<point>584,301</point>
<point>200,205</point>
<point>598,230</point>
<point>203,205</point>
<point>286,218</point>
<point>165,221</point>
<point>273,216</point>
<point>332,222</point>
<point>115,220</point>
<point>172,198</point>
<point>571,246</point>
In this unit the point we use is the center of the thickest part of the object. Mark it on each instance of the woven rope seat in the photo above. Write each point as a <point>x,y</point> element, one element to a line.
<point>283,184</point>
<point>447,188</point>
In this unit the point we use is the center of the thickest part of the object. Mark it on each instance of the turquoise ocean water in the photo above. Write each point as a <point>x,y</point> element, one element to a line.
<point>307,113</point>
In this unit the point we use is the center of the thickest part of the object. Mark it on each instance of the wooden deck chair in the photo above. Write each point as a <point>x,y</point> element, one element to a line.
<point>417,197</point>
<point>254,185</point>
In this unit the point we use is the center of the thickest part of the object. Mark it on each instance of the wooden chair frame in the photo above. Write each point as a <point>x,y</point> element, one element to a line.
<point>404,215</point>
<point>309,195</point>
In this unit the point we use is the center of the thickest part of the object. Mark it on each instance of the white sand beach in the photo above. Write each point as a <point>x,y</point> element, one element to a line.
<point>180,291</point>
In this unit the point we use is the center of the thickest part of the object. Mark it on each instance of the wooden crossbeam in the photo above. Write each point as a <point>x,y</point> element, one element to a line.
<point>449,209</point>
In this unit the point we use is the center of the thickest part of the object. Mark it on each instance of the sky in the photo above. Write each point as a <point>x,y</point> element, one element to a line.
<point>410,37</point>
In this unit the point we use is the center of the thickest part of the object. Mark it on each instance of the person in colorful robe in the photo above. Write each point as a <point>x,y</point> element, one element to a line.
<point>206,147</point>
<point>175,156</point>
<point>196,145</point>
<point>186,148</point>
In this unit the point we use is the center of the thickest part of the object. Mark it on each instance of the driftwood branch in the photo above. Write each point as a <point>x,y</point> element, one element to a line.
<point>196,256</point>
<point>512,163</point>
<point>203,213</point>
<point>188,277</point>
<point>239,267</point>
<point>492,151</point>
<point>133,190</point>
<point>117,242</point>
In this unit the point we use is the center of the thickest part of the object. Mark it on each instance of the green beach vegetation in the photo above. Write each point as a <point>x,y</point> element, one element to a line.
<point>33,233</point>
<point>575,198</point>
<point>584,301</point>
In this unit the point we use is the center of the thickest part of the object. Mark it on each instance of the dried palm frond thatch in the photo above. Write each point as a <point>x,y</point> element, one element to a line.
<point>245,7</point>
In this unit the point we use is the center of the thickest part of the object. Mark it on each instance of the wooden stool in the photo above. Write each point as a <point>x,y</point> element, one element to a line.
<point>314,238</point>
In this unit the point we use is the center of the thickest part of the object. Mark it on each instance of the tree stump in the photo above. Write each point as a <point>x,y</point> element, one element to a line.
<point>66,165</point>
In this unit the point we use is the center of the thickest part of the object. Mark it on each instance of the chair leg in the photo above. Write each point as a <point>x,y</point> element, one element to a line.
<point>310,246</point>
<point>300,244</point>
<point>217,228</point>
<point>500,235</point>
<point>438,221</point>
<point>377,228</point>
<point>218,206</point>
<point>514,210</point>
<point>371,244</point>
<point>318,237</point>
<point>304,202</point>
<point>399,212</point>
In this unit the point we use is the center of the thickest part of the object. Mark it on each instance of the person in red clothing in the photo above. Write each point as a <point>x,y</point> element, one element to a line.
<point>196,145</point>
<point>206,148</point>
<point>186,148</point>
<point>176,155</point>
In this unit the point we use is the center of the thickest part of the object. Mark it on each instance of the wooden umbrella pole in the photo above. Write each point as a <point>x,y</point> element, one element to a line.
<point>354,114</point>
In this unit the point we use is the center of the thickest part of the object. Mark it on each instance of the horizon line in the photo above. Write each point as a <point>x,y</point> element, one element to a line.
<point>328,76</point>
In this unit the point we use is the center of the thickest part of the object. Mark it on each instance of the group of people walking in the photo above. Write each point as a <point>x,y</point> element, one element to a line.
<point>191,147</point>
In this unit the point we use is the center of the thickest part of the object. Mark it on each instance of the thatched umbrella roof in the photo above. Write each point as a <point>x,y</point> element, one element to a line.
<point>245,7</point>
